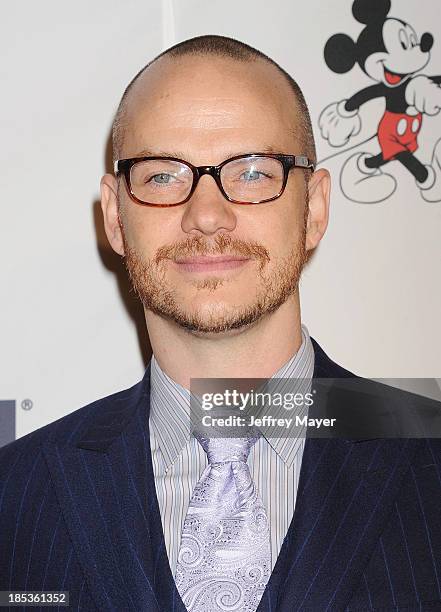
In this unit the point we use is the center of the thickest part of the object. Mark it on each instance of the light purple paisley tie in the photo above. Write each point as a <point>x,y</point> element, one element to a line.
<point>224,560</point>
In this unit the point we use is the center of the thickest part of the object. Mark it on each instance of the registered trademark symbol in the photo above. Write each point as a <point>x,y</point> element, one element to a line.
<point>27,404</point>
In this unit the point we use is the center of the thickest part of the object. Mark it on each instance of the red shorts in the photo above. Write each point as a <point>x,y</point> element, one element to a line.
<point>398,132</point>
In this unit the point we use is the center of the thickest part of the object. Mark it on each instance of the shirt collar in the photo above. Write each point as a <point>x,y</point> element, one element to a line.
<point>170,405</point>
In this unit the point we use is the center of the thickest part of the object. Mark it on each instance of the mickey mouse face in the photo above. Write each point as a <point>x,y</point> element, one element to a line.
<point>403,55</point>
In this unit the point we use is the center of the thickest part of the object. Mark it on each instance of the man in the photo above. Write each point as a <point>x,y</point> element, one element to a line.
<point>116,503</point>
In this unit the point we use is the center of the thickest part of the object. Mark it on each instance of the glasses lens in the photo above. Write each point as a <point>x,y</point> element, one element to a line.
<point>252,179</point>
<point>160,181</point>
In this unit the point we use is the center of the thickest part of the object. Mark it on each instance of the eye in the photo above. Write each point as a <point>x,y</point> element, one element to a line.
<point>404,40</point>
<point>413,39</point>
<point>162,179</point>
<point>252,175</point>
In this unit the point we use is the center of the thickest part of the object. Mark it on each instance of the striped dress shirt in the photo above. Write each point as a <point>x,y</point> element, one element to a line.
<point>179,460</point>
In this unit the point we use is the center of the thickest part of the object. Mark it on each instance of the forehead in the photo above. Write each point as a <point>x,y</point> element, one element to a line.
<point>210,105</point>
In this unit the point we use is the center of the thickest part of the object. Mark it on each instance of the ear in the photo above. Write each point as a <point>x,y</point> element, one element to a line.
<point>319,189</point>
<point>370,11</point>
<point>340,53</point>
<point>109,206</point>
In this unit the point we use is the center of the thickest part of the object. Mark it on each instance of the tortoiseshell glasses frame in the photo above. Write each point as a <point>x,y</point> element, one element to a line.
<point>124,167</point>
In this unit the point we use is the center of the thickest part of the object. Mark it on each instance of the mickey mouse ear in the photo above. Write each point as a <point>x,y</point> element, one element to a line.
<point>370,11</point>
<point>340,53</point>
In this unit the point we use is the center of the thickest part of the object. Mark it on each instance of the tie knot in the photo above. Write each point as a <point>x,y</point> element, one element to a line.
<point>221,450</point>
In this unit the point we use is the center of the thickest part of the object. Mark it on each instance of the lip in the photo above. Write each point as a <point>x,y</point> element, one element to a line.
<point>211,264</point>
<point>393,78</point>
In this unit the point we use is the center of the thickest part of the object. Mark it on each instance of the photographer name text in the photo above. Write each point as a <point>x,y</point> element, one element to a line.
<point>266,421</point>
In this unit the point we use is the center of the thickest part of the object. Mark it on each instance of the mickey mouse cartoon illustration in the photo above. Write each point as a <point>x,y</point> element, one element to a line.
<point>389,51</point>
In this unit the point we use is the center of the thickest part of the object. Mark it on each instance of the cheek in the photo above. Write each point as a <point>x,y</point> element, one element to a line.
<point>409,60</point>
<point>283,227</point>
<point>374,66</point>
<point>294,207</point>
<point>142,229</point>
<point>293,231</point>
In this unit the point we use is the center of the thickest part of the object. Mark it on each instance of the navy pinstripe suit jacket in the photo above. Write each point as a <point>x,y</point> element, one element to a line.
<point>78,512</point>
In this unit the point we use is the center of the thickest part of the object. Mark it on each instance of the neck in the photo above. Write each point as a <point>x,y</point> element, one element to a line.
<point>257,351</point>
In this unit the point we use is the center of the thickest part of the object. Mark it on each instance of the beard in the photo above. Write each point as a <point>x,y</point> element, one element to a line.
<point>274,286</point>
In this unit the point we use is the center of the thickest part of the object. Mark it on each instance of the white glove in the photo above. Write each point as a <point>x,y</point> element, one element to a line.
<point>337,125</point>
<point>424,95</point>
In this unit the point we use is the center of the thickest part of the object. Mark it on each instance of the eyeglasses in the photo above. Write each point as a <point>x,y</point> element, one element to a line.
<point>252,178</point>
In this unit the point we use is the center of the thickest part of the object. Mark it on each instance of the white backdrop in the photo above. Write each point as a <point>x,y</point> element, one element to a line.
<point>70,333</point>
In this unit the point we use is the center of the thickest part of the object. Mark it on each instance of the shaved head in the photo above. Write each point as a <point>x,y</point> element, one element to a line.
<point>227,48</point>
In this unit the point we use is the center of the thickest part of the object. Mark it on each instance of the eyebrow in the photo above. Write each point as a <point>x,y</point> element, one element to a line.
<point>183,155</point>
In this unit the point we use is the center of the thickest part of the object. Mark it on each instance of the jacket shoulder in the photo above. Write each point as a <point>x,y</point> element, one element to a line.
<point>64,430</point>
<point>324,367</point>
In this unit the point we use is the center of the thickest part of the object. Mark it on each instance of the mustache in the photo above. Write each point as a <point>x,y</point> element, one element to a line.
<point>223,244</point>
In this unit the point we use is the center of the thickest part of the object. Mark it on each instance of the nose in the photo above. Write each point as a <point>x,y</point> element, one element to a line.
<point>426,42</point>
<point>207,211</point>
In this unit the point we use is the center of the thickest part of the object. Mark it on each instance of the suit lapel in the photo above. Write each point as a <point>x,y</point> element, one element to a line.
<point>345,493</point>
<point>105,486</point>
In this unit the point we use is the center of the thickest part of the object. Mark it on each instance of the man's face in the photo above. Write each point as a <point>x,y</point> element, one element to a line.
<point>205,110</point>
